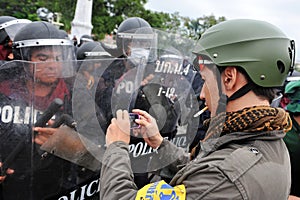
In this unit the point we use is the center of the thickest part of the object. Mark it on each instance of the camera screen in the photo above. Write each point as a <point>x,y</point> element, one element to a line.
<point>132,117</point>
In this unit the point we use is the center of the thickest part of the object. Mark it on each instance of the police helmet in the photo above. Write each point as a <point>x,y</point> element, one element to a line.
<point>9,26</point>
<point>91,50</point>
<point>260,48</point>
<point>85,38</point>
<point>41,34</point>
<point>133,29</point>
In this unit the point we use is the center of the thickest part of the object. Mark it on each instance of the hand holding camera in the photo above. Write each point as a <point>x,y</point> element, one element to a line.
<point>151,134</point>
<point>119,129</point>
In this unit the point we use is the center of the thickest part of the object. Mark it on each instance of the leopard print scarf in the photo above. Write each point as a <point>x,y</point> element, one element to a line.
<point>252,119</point>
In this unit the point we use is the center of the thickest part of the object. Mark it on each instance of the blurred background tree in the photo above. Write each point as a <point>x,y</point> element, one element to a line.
<point>107,14</point>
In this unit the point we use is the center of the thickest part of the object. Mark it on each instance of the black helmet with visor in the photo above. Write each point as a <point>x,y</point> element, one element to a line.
<point>41,36</point>
<point>134,36</point>
<point>9,26</point>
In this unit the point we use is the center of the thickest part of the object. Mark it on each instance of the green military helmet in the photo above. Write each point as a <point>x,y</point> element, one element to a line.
<point>262,49</point>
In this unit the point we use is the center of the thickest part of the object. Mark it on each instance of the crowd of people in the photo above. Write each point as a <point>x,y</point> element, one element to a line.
<point>206,126</point>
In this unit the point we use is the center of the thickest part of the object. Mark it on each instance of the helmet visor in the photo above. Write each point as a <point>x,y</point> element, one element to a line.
<point>12,27</point>
<point>142,38</point>
<point>57,61</point>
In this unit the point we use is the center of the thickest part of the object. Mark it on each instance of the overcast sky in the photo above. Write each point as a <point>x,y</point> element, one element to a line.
<point>283,13</point>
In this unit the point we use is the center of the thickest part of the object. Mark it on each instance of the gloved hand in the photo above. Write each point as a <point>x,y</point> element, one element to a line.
<point>119,129</point>
<point>151,134</point>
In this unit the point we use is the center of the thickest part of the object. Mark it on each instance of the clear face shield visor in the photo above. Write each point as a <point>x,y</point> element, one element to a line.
<point>48,57</point>
<point>139,44</point>
<point>12,27</point>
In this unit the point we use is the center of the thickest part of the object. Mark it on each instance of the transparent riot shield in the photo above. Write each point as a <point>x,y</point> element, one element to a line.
<point>65,157</point>
<point>161,84</point>
<point>31,95</point>
<point>145,81</point>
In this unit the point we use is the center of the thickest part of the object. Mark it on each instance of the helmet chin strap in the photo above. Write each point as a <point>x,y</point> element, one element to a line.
<point>224,99</point>
<point>241,92</point>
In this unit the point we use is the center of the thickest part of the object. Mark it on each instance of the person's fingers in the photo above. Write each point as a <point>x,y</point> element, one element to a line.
<point>113,121</point>
<point>48,131</point>
<point>40,139</point>
<point>139,111</point>
<point>50,122</point>
<point>119,114</point>
<point>43,137</point>
<point>125,115</point>
<point>142,122</point>
<point>146,115</point>
<point>10,171</point>
<point>122,114</point>
<point>2,178</point>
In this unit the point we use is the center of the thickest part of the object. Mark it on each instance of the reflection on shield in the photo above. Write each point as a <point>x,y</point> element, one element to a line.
<point>92,90</point>
<point>162,86</point>
<point>27,96</point>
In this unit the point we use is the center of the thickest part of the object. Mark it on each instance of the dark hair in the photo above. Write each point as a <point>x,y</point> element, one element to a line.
<point>268,93</point>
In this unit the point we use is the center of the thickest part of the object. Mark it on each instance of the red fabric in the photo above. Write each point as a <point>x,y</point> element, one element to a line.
<point>4,52</point>
<point>16,90</point>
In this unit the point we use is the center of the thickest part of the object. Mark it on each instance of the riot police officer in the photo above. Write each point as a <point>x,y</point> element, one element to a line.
<point>8,28</point>
<point>134,40</point>
<point>42,62</point>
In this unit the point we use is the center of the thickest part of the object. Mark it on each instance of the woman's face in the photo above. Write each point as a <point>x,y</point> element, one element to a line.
<point>48,65</point>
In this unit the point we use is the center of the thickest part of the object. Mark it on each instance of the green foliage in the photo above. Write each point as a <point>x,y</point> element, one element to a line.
<point>20,9</point>
<point>195,27</point>
<point>108,14</point>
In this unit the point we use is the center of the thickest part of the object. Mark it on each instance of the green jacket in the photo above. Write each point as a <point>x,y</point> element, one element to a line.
<point>237,166</point>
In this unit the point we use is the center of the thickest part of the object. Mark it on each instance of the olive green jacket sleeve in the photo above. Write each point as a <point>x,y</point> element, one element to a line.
<point>116,180</point>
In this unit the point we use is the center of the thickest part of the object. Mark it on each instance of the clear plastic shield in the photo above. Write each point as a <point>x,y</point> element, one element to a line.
<point>68,160</point>
<point>31,95</point>
<point>161,84</point>
<point>13,26</point>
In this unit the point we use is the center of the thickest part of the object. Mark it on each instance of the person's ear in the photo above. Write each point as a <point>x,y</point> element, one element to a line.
<point>229,77</point>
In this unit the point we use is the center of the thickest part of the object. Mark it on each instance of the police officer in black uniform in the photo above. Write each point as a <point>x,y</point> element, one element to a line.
<point>41,54</point>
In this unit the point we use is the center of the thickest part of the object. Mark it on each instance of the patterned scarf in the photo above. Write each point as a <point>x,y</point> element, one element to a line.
<point>252,119</point>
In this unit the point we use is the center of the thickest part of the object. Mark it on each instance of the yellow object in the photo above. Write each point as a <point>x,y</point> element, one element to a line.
<point>161,191</point>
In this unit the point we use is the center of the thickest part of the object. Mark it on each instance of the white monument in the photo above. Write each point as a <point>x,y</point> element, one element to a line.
<point>82,22</point>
